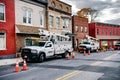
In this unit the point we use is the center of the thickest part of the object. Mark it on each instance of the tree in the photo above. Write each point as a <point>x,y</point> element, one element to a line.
<point>88,13</point>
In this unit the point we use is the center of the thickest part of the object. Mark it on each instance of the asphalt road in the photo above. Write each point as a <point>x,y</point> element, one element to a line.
<point>96,66</point>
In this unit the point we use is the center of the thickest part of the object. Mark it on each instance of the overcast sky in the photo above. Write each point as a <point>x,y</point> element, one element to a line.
<point>109,9</point>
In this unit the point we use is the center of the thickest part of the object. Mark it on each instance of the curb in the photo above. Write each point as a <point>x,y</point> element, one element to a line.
<point>10,61</point>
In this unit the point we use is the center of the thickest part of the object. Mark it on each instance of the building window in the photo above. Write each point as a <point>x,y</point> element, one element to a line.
<point>41,19</point>
<point>60,6</point>
<point>97,31</point>
<point>106,31</point>
<point>67,9</point>
<point>110,32</point>
<point>57,22</point>
<point>2,41</point>
<point>27,16</point>
<point>86,29</point>
<point>53,4</point>
<point>81,28</point>
<point>51,21</point>
<point>76,28</point>
<point>28,42</point>
<point>66,23</point>
<point>2,12</point>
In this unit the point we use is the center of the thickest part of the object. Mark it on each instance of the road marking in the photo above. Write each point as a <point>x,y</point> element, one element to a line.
<point>96,63</point>
<point>69,75</point>
<point>109,57</point>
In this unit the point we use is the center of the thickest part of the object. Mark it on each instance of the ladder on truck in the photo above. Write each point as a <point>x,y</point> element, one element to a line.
<point>51,36</point>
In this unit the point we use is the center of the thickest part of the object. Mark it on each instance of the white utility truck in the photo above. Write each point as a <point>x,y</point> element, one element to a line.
<point>92,46</point>
<point>51,44</point>
<point>89,44</point>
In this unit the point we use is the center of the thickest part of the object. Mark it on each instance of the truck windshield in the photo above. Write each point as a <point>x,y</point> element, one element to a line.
<point>41,44</point>
<point>86,43</point>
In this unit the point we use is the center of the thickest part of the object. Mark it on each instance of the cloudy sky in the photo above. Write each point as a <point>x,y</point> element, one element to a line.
<point>109,9</point>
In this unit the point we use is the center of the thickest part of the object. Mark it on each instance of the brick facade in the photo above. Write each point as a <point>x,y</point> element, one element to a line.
<point>80,28</point>
<point>8,27</point>
<point>106,33</point>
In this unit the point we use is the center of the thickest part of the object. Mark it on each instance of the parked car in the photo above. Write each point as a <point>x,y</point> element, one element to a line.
<point>117,46</point>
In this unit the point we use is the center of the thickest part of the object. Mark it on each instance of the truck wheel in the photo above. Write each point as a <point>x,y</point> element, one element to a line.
<point>41,57</point>
<point>63,55</point>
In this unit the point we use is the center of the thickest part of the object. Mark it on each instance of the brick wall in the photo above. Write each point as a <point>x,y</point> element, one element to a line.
<point>80,22</point>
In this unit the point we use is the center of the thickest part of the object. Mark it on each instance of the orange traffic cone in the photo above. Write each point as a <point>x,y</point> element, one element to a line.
<point>97,51</point>
<point>84,54</point>
<point>17,67</point>
<point>112,49</point>
<point>68,57</point>
<point>88,52</point>
<point>73,55</point>
<point>24,65</point>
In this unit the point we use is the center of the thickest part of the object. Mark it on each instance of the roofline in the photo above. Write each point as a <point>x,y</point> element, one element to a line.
<point>65,3</point>
<point>105,23</point>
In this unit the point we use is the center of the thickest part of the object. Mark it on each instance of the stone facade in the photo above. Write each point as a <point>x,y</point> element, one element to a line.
<point>60,13</point>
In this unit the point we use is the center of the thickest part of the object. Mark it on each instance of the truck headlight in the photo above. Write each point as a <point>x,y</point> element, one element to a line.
<point>34,51</point>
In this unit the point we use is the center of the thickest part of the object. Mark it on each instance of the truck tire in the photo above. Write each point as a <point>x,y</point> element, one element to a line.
<point>63,55</point>
<point>41,57</point>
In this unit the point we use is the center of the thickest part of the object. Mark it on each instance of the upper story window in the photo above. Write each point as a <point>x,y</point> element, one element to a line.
<point>53,4</point>
<point>27,16</point>
<point>66,23</point>
<point>67,9</point>
<point>106,31</point>
<point>110,32</point>
<point>86,29</point>
<point>2,12</point>
<point>97,31</point>
<point>81,29</point>
<point>41,19</point>
<point>57,22</point>
<point>76,28</point>
<point>2,40</point>
<point>61,6</point>
<point>50,21</point>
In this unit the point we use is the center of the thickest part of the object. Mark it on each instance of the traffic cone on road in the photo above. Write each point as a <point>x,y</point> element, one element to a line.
<point>17,67</point>
<point>112,49</point>
<point>24,65</point>
<point>84,54</point>
<point>88,52</point>
<point>73,55</point>
<point>68,57</point>
<point>97,51</point>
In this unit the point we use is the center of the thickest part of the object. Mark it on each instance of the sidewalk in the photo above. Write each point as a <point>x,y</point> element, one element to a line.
<point>9,61</point>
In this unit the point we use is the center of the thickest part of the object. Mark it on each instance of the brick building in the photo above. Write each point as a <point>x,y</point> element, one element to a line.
<point>80,28</point>
<point>7,29</point>
<point>108,34</point>
<point>59,17</point>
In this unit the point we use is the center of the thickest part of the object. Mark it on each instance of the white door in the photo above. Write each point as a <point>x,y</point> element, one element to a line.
<point>49,49</point>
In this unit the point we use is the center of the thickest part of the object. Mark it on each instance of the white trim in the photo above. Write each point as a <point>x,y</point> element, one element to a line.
<point>26,11</point>
<point>41,15</point>
<point>4,13</point>
<point>4,41</point>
